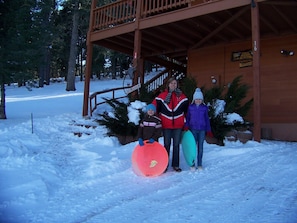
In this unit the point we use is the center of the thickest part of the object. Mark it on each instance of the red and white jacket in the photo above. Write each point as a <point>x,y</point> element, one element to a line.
<point>173,114</point>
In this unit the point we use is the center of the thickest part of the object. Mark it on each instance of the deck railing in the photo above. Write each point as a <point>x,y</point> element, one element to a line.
<point>113,14</point>
<point>155,7</point>
<point>93,98</point>
<point>124,11</point>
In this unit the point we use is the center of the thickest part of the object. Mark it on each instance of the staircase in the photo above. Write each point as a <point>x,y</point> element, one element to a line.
<point>157,83</point>
<point>154,85</point>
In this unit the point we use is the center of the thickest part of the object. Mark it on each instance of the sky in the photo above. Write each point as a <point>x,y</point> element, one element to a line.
<point>50,174</point>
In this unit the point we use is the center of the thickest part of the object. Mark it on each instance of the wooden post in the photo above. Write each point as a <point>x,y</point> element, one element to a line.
<point>256,69</point>
<point>137,61</point>
<point>136,56</point>
<point>87,78</point>
<point>141,70</point>
<point>88,63</point>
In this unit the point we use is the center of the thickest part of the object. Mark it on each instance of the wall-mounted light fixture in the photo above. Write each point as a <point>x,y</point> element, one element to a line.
<point>287,52</point>
<point>213,79</point>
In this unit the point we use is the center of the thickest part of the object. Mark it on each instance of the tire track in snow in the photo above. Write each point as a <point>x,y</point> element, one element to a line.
<point>256,190</point>
<point>209,192</point>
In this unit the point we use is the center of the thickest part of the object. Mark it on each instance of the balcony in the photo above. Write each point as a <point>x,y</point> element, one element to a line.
<point>165,31</point>
<point>170,28</point>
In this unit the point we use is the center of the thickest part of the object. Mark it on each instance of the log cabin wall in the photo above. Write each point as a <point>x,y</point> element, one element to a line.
<point>168,33</point>
<point>278,80</point>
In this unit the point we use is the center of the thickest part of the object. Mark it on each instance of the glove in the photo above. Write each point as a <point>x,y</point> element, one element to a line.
<point>151,140</point>
<point>140,141</point>
<point>186,128</point>
<point>209,134</point>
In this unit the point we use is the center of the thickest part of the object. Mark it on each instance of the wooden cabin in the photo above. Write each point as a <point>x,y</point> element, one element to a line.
<point>212,41</point>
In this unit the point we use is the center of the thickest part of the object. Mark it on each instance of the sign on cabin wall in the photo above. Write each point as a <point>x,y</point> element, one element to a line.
<point>245,58</point>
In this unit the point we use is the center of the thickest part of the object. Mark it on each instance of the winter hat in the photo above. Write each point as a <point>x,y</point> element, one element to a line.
<point>198,94</point>
<point>151,107</point>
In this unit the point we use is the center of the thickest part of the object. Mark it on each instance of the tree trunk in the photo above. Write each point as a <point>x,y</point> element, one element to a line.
<point>114,66</point>
<point>73,51</point>
<point>2,104</point>
<point>44,69</point>
<point>41,75</point>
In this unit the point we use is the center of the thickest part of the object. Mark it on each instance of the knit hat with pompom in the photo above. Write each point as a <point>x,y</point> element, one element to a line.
<point>198,94</point>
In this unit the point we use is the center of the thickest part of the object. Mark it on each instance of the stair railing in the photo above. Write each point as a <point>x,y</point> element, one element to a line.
<point>153,85</point>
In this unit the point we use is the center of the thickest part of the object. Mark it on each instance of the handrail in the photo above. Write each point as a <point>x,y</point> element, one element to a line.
<point>152,85</point>
<point>93,97</point>
<point>157,81</point>
<point>156,7</point>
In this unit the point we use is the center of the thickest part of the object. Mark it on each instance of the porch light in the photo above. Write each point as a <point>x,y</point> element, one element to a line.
<point>287,52</point>
<point>213,80</point>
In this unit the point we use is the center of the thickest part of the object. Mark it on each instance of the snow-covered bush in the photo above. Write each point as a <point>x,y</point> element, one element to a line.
<point>227,111</point>
<point>122,122</point>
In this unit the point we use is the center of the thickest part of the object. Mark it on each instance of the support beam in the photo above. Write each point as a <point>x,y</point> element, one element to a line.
<point>256,69</point>
<point>221,27</point>
<point>88,74</point>
<point>136,57</point>
<point>137,61</point>
<point>88,71</point>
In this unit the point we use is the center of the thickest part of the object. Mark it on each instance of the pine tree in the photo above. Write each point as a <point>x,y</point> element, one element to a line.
<point>19,44</point>
<point>233,98</point>
<point>45,11</point>
<point>237,91</point>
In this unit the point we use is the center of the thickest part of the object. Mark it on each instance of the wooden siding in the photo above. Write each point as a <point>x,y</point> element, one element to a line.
<point>203,34</point>
<point>278,78</point>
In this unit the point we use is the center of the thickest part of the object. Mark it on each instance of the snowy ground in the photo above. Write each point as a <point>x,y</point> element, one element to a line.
<point>48,174</point>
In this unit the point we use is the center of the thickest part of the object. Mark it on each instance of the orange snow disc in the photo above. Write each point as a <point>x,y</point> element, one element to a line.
<point>149,160</point>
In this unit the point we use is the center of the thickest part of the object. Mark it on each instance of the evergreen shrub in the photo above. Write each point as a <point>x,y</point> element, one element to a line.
<point>118,123</point>
<point>233,98</point>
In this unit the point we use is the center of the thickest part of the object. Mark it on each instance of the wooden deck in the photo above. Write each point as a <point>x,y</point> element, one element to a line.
<point>170,28</point>
<point>167,32</point>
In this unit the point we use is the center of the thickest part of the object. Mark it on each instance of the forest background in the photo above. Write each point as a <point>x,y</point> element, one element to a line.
<point>41,40</point>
